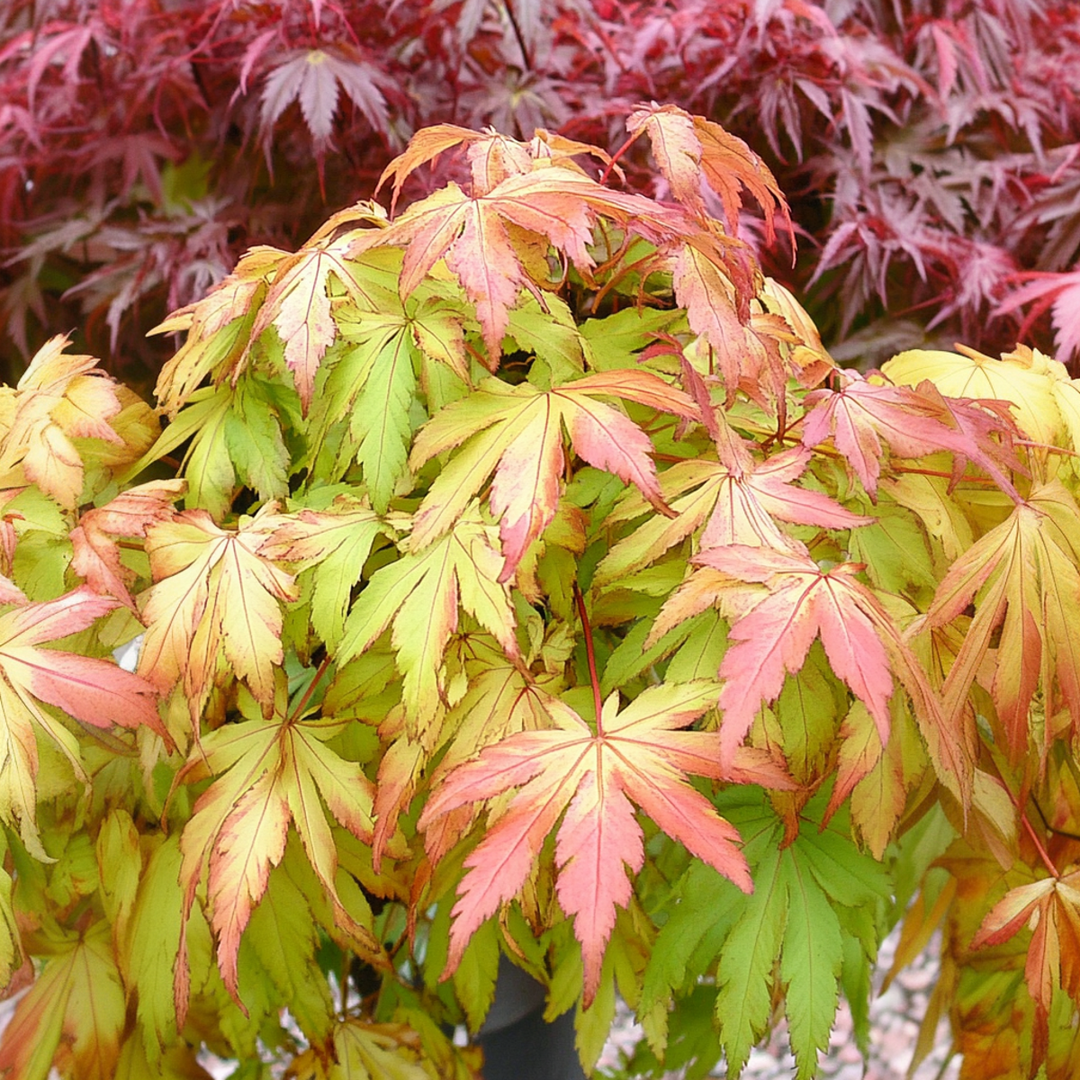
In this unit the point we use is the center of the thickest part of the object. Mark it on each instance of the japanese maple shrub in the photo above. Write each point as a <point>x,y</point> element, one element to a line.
<point>518,575</point>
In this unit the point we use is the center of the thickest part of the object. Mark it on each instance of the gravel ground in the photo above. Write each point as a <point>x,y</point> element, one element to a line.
<point>895,1018</point>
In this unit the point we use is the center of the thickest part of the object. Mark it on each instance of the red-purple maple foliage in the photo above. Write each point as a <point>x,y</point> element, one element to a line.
<point>932,149</point>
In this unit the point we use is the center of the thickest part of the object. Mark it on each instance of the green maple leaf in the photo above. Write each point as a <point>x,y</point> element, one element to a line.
<point>810,914</point>
<point>744,1001</point>
<point>420,594</point>
<point>149,946</point>
<point>331,546</point>
<point>283,936</point>
<point>797,912</point>
<point>372,380</point>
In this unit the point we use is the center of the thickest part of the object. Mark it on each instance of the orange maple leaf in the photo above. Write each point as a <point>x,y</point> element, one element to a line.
<point>235,300</point>
<point>773,637</point>
<point>1024,578</point>
<point>776,626</point>
<point>1051,907</point>
<point>492,156</point>
<point>690,149</point>
<point>635,757</point>
<point>95,692</point>
<point>471,233</point>
<point>60,397</point>
<point>516,431</point>
<point>74,1010</point>
<point>95,552</point>
<point>298,305</point>
<point>737,501</point>
<point>861,415</point>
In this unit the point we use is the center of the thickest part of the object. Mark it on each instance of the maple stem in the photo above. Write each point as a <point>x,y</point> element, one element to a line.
<point>1043,854</point>
<point>579,600</point>
<point>302,703</point>
<point>1046,446</point>
<point>615,158</point>
<point>1046,824</point>
<point>613,281</point>
<point>965,479</point>
<point>1047,861</point>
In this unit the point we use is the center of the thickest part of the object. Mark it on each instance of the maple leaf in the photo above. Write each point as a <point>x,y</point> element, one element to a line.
<point>877,778</point>
<point>218,328</point>
<point>704,287</point>
<point>334,545</point>
<point>637,756</point>
<point>232,433</point>
<point>912,422</point>
<point>492,156</point>
<point>268,773</point>
<point>808,355</point>
<point>95,692</point>
<point>774,636</point>
<point>315,77</point>
<point>1024,578</point>
<point>501,700</point>
<point>1051,907</point>
<point>1035,385</point>
<point>1055,291</point>
<point>774,632</point>
<point>690,149</point>
<point>738,503</point>
<point>215,601</point>
<point>812,895</point>
<point>297,304</point>
<point>73,1015</point>
<point>472,235</point>
<point>285,932</point>
<point>95,552</point>
<point>370,1050</point>
<point>151,934</point>
<point>516,431</point>
<point>60,397</point>
<point>374,384</point>
<point>420,594</point>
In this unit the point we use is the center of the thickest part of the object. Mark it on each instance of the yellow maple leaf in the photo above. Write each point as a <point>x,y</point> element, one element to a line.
<point>74,1011</point>
<point>214,607</point>
<point>61,397</point>
<point>270,773</point>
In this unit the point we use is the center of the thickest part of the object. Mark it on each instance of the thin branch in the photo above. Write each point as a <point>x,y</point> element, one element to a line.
<point>1026,822</point>
<point>579,600</point>
<point>518,34</point>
